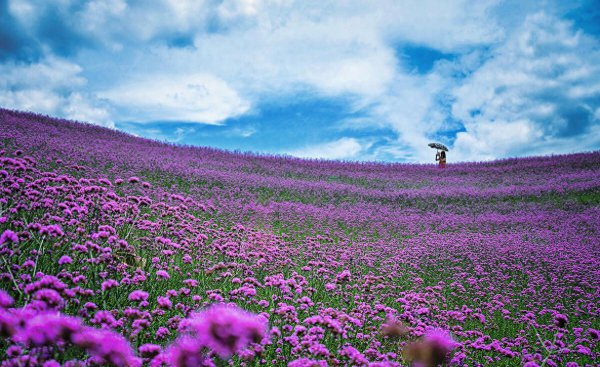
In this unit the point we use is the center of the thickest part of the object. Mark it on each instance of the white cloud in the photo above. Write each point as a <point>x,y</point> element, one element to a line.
<point>539,90</point>
<point>444,25</point>
<point>50,87</point>
<point>490,141</point>
<point>410,109</point>
<point>244,132</point>
<point>97,17</point>
<point>235,9</point>
<point>333,56</point>
<point>271,48</point>
<point>79,108</point>
<point>52,72</point>
<point>180,133</point>
<point>195,98</point>
<point>343,148</point>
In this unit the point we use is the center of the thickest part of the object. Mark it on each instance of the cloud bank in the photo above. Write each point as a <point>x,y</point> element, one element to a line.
<point>490,79</point>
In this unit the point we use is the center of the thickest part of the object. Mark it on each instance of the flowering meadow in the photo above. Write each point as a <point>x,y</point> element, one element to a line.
<point>121,251</point>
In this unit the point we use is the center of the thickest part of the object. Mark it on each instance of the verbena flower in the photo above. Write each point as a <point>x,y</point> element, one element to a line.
<point>8,236</point>
<point>226,329</point>
<point>394,328</point>
<point>5,299</point>
<point>106,347</point>
<point>138,296</point>
<point>162,274</point>
<point>108,284</point>
<point>187,352</point>
<point>50,297</point>
<point>8,324</point>
<point>164,302</point>
<point>560,320</point>
<point>47,329</point>
<point>306,362</point>
<point>433,349</point>
<point>65,260</point>
<point>149,350</point>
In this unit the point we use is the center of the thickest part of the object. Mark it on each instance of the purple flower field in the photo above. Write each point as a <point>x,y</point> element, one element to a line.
<point>121,251</point>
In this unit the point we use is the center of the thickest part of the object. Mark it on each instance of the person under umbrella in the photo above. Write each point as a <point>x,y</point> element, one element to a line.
<point>440,156</point>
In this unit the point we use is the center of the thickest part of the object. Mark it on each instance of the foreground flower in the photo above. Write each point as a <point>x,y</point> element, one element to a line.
<point>8,236</point>
<point>149,350</point>
<point>227,330</point>
<point>47,329</point>
<point>432,350</point>
<point>186,352</point>
<point>106,347</point>
<point>394,328</point>
<point>305,362</point>
<point>5,299</point>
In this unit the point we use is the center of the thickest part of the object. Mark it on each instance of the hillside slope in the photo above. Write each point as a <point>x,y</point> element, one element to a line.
<point>133,236</point>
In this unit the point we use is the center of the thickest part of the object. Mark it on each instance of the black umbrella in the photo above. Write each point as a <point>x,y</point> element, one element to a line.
<point>438,146</point>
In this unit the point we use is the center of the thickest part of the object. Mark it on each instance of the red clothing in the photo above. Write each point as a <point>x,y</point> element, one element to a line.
<point>441,157</point>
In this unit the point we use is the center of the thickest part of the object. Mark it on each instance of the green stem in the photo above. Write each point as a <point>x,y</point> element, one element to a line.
<point>12,277</point>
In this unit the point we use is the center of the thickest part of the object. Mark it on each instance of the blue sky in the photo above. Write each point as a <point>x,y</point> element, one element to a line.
<point>349,80</point>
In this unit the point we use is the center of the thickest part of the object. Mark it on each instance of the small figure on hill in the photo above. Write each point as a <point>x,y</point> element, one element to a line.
<point>441,158</point>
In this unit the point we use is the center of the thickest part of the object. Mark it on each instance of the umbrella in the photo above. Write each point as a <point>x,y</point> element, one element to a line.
<point>438,146</point>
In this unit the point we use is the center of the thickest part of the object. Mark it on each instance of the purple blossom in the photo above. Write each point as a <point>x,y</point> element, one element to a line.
<point>105,319</point>
<point>433,349</point>
<point>226,330</point>
<point>582,349</point>
<point>138,296</point>
<point>441,340</point>
<point>162,274</point>
<point>8,236</point>
<point>162,332</point>
<point>47,329</point>
<point>9,324</point>
<point>106,347</point>
<point>356,358</point>
<point>149,350</point>
<point>65,259</point>
<point>164,302</point>
<point>5,299</point>
<point>187,352</point>
<point>53,230</point>
<point>344,276</point>
<point>305,362</point>
<point>560,320</point>
<point>50,297</point>
<point>46,281</point>
<point>108,284</point>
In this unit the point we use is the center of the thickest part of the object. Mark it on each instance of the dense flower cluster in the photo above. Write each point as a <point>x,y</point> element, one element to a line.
<point>120,251</point>
<point>41,331</point>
